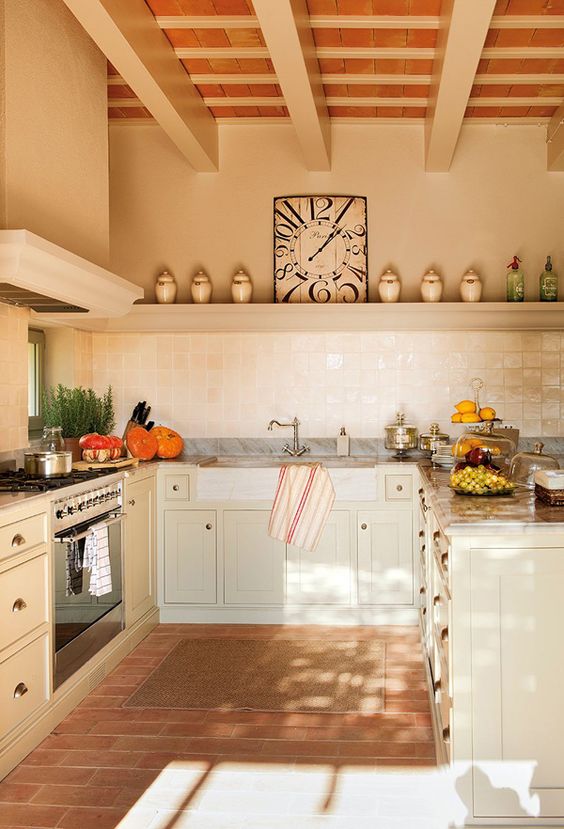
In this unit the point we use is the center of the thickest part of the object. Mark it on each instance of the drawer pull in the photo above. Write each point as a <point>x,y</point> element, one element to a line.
<point>444,635</point>
<point>422,591</point>
<point>436,600</point>
<point>20,690</point>
<point>446,734</point>
<point>208,526</point>
<point>364,526</point>
<point>399,488</point>
<point>421,533</point>
<point>437,685</point>
<point>444,560</point>
<point>425,508</point>
<point>423,548</point>
<point>436,535</point>
<point>423,610</point>
<point>175,488</point>
<point>131,502</point>
<point>420,491</point>
<point>18,540</point>
<point>18,605</point>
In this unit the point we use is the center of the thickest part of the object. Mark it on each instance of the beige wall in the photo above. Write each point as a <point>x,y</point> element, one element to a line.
<point>497,200</point>
<point>68,357</point>
<point>13,377</point>
<point>56,145</point>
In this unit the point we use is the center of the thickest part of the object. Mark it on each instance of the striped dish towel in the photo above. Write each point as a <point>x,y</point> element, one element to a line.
<point>97,560</point>
<point>304,498</point>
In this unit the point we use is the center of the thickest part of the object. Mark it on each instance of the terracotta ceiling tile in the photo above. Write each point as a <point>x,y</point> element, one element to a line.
<point>486,112</point>
<point>264,90</point>
<point>222,112</point>
<point>115,112</point>
<point>137,112</point>
<point>197,7</point>
<point>390,6</point>
<point>389,112</point>
<point>360,66</point>
<point>210,90</point>
<point>164,7</point>
<point>500,66</point>
<point>493,91</point>
<point>354,6</point>
<point>182,37</point>
<point>121,91</point>
<point>224,65</point>
<point>541,112</point>
<point>322,6</point>
<point>469,112</point>
<point>414,112</point>
<point>245,38</point>
<point>238,90</point>
<point>535,7</point>
<point>475,91</point>
<point>390,37</point>
<point>111,68</point>
<point>515,112</point>
<point>501,7</point>
<point>336,89</point>
<point>548,37</point>
<point>558,66</point>
<point>256,66</point>
<point>423,38</point>
<point>418,67</point>
<point>246,112</point>
<point>524,90</point>
<point>379,90</point>
<point>352,112</point>
<point>327,37</point>
<point>232,7</point>
<point>425,8</point>
<point>482,66</point>
<point>273,111</point>
<point>541,65</point>
<point>363,91</point>
<point>357,37</point>
<point>196,66</point>
<point>551,91</point>
<point>333,66</point>
<point>491,38</point>
<point>388,66</point>
<point>417,91</point>
<point>514,37</point>
<point>212,37</point>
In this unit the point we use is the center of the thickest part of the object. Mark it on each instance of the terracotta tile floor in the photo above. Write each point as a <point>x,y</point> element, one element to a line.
<point>105,765</point>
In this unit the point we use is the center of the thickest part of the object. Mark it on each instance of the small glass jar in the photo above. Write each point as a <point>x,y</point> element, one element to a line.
<point>166,288</point>
<point>52,439</point>
<point>389,287</point>
<point>201,288</point>
<point>525,464</point>
<point>241,287</point>
<point>431,287</point>
<point>471,287</point>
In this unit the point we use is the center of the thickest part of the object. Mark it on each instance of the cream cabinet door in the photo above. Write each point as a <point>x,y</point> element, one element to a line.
<point>190,556</point>
<point>517,620</point>
<point>255,564</point>
<point>140,553</point>
<point>323,576</point>
<point>385,557</point>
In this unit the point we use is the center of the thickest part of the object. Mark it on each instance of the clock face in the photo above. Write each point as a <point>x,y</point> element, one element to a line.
<point>320,249</point>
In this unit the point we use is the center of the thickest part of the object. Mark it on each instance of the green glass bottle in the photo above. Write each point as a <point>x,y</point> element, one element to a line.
<point>515,282</point>
<point>548,286</point>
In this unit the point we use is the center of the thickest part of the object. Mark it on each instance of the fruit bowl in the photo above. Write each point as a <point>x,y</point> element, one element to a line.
<point>480,494</point>
<point>469,478</point>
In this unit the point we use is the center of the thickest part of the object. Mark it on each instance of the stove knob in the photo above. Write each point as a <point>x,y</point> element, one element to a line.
<point>81,506</point>
<point>70,510</point>
<point>96,499</point>
<point>59,514</point>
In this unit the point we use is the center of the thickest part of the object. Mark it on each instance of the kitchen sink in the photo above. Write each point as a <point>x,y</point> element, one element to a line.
<point>254,461</point>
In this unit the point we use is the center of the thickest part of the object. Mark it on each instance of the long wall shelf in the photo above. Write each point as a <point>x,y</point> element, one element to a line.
<point>403,316</point>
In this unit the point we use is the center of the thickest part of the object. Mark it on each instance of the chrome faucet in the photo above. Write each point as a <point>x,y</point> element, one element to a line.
<point>296,450</point>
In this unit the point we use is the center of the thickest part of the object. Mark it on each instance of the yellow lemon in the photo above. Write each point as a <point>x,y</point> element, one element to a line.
<point>475,442</point>
<point>456,418</point>
<point>487,413</point>
<point>470,417</point>
<point>466,407</point>
<point>461,448</point>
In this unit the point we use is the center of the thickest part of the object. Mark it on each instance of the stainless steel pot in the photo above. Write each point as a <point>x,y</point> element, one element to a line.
<point>48,464</point>
<point>400,436</point>
<point>429,441</point>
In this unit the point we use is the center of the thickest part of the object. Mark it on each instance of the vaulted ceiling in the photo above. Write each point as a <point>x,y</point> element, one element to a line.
<point>442,63</point>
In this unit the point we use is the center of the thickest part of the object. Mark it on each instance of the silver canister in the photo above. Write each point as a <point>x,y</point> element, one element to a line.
<point>400,436</point>
<point>48,464</point>
<point>429,441</point>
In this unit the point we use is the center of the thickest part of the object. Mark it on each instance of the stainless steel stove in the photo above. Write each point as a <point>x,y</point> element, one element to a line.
<point>21,481</point>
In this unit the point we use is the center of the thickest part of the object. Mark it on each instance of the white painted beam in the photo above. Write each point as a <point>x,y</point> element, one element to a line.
<point>287,33</point>
<point>463,31</point>
<point>522,52</point>
<point>555,142</point>
<point>129,36</point>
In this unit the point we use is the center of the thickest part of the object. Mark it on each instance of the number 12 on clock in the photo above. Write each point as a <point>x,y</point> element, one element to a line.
<point>320,249</point>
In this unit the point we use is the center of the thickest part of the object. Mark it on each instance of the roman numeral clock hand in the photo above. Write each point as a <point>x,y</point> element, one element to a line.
<point>325,243</point>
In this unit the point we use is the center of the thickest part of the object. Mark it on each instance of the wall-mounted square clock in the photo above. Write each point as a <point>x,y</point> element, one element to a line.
<point>320,249</point>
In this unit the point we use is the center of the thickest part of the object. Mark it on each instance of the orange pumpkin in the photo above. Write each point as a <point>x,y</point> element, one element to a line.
<point>141,443</point>
<point>170,444</point>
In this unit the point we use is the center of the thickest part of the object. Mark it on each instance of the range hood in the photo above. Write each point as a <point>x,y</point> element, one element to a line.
<point>55,283</point>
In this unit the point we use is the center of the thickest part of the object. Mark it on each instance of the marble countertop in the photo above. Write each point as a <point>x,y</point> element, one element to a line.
<point>486,514</point>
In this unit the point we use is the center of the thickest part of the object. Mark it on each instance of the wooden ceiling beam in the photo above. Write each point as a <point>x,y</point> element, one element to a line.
<point>129,36</point>
<point>555,142</point>
<point>287,33</point>
<point>464,27</point>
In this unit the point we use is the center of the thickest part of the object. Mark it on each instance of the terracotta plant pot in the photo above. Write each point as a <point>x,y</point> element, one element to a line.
<point>71,445</point>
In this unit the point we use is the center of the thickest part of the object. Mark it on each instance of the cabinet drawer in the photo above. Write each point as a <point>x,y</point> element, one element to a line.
<point>398,487</point>
<point>441,551</point>
<point>23,599</point>
<point>23,535</point>
<point>177,487</point>
<point>23,683</point>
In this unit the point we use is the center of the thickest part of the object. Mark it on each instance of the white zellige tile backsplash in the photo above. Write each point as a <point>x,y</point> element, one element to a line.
<point>231,385</point>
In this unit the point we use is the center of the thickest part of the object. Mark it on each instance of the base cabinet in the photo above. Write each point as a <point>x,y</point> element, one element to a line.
<point>322,576</point>
<point>190,556</point>
<point>385,557</point>
<point>255,563</point>
<point>140,541</point>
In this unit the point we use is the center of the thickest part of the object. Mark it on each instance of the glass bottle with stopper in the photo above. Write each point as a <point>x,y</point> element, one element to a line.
<point>515,281</point>
<point>548,283</point>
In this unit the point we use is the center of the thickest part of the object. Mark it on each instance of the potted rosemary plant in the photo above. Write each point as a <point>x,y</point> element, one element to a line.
<point>78,411</point>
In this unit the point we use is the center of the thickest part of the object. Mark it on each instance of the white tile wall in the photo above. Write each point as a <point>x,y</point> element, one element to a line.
<point>231,385</point>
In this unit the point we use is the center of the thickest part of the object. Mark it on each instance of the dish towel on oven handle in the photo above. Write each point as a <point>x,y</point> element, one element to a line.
<point>302,503</point>
<point>97,560</point>
<point>73,567</point>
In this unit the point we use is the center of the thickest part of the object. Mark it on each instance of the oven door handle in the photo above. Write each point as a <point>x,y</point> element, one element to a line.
<point>67,539</point>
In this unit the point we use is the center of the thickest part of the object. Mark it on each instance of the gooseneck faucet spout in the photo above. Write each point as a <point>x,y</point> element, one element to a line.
<point>296,450</point>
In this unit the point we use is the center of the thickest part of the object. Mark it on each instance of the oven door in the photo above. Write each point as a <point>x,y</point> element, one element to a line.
<point>83,621</point>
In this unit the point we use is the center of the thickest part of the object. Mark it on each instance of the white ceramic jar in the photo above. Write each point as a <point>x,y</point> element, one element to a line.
<point>389,287</point>
<point>241,287</point>
<point>431,287</point>
<point>471,287</point>
<point>165,288</point>
<point>201,288</point>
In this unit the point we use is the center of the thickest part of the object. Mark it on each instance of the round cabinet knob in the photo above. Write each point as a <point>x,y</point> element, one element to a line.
<point>18,540</point>
<point>444,635</point>
<point>364,526</point>
<point>437,685</point>
<point>20,690</point>
<point>208,526</point>
<point>132,502</point>
<point>399,488</point>
<point>175,488</point>
<point>446,734</point>
<point>18,605</point>
<point>436,600</point>
<point>422,591</point>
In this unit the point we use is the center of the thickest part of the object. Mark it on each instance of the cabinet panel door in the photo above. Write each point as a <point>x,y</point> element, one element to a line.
<point>324,576</point>
<point>255,564</point>
<point>190,556</point>
<point>517,680</point>
<point>140,550</point>
<point>385,557</point>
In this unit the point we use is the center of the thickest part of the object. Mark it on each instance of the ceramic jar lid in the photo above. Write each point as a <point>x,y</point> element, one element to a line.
<point>241,278</point>
<point>200,278</point>
<point>431,277</point>
<point>389,277</point>
<point>471,276</point>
